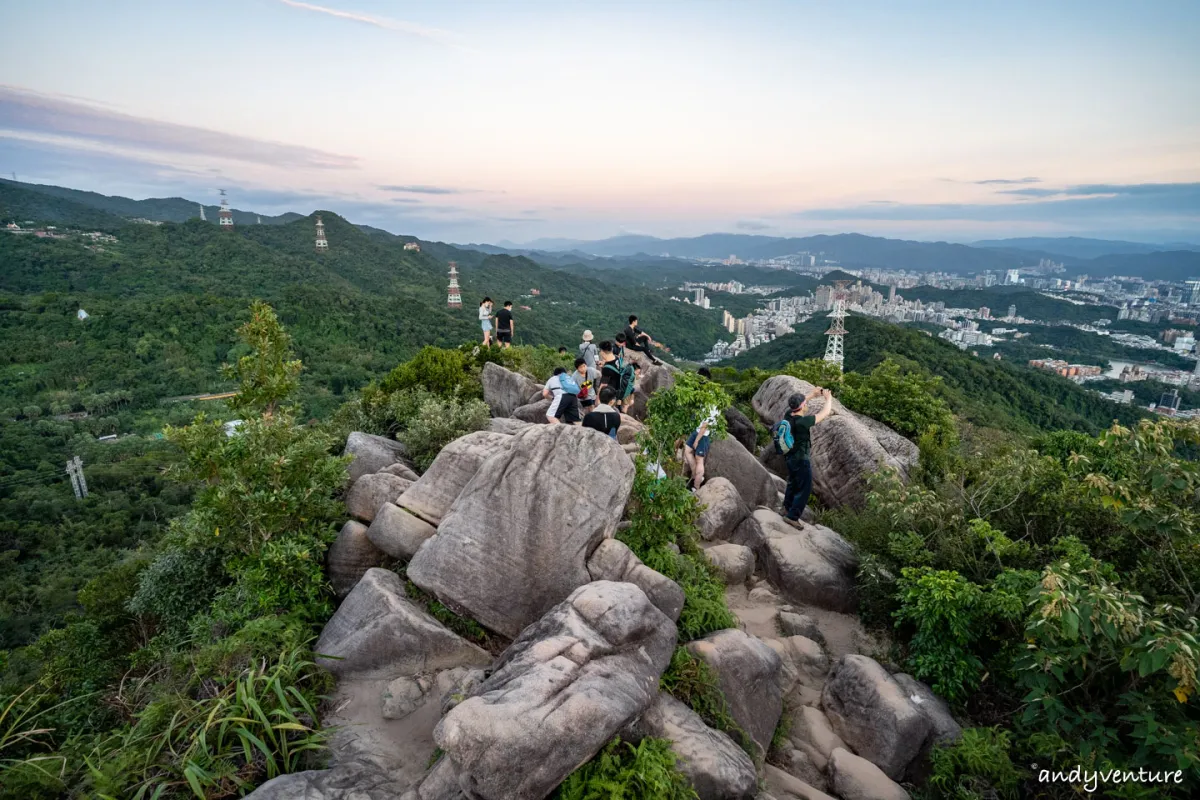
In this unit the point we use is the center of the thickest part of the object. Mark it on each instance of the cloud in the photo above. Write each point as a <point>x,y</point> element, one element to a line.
<point>518,219</point>
<point>405,200</point>
<point>1008,181</point>
<point>1154,202</point>
<point>424,189</point>
<point>27,112</point>
<point>398,26</point>
<point>752,225</point>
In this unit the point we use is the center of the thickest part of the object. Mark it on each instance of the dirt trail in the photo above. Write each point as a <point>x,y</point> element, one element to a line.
<point>401,747</point>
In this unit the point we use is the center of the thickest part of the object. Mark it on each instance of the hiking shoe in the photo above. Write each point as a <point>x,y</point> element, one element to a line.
<point>795,523</point>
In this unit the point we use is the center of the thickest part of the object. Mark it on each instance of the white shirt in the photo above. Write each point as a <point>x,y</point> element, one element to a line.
<point>555,388</point>
<point>484,311</point>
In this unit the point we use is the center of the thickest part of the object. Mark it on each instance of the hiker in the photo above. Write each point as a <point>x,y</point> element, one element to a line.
<point>589,351</point>
<point>619,346</point>
<point>604,417</point>
<point>618,375</point>
<point>562,351</point>
<point>793,442</point>
<point>588,379</point>
<point>504,325</point>
<point>695,450</point>
<point>564,391</point>
<point>485,320</point>
<point>637,339</point>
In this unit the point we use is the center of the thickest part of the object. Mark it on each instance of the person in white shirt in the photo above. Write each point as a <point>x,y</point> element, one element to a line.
<point>485,320</point>
<point>564,406</point>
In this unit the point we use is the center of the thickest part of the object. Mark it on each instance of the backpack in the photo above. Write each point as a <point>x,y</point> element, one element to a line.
<point>567,383</point>
<point>782,434</point>
<point>625,381</point>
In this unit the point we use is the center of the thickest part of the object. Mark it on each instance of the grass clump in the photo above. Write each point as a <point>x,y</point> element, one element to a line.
<point>627,771</point>
<point>692,682</point>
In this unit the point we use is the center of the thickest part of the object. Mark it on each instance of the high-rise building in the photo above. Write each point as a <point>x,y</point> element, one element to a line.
<point>1193,292</point>
<point>892,293</point>
<point>699,297</point>
<point>1169,402</point>
<point>1012,277</point>
<point>1012,311</point>
<point>985,312</point>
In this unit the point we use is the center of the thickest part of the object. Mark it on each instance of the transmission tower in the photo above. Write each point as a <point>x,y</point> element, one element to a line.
<point>225,216</point>
<point>834,352</point>
<point>78,482</point>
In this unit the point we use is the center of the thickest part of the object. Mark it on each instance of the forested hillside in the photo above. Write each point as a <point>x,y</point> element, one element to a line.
<point>986,392</point>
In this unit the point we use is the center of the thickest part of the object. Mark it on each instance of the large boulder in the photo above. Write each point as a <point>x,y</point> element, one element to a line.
<point>723,507</point>
<point>402,469</point>
<point>846,447</point>
<point>431,497</point>
<point>804,667</point>
<point>354,780</point>
<point>712,762</point>
<point>399,533</point>
<point>371,453</point>
<point>741,428</point>
<point>735,561</point>
<point>378,633</point>
<point>788,787</point>
<point>728,459</point>
<point>748,674</point>
<point>943,727</point>
<point>614,561</point>
<point>516,541</point>
<point>794,623</point>
<point>813,566</point>
<point>812,733</point>
<point>855,778</point>
<point>872,714</point>
<point>505,391</point>
<point>369,492</point>
<point>506,425</point>
<point>534,412</point>
<point>559,693</point>
<point>349,558</point>
<point>628,432</point>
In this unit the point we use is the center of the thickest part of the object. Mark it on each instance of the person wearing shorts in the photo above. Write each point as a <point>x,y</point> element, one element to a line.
<point>485,320</point>
<point>504,325</point>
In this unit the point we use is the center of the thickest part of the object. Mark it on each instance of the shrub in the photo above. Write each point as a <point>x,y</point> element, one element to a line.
<point>439,422</point>
<point>976,767</point>
<point>946,610</point>
<point>672,414</point>
<point>816,371</point>
<point>177,585</point>
<point>626,771</point>
<point>268,374</point>
<point>443,372</point>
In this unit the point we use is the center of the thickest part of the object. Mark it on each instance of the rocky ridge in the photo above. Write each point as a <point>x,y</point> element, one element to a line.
<point>498,531</point>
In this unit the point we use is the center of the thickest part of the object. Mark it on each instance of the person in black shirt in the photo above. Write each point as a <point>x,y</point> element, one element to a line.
<point>604,417</point>
<point>504,325</point>
<point>638,339</point>
<point>799,485</point>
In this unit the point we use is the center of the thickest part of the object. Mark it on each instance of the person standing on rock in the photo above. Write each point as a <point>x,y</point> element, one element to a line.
<point>588,379</point>
<point>485,320</point>
<point>793,441</point>
<point>588,351</point>
<point>562,390</point>
<point>604,417</point>
<point>695,450</point>
<point>504,325</point>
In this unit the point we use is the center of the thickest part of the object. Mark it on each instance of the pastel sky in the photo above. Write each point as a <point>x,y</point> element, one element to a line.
<point>494,120</point>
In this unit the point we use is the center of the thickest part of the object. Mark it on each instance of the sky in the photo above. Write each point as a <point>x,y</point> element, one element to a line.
<point>497,121</point>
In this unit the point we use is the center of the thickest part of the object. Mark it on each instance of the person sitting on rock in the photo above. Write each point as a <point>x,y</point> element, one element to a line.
<point>564,405</point>
<point>695,450</point>
<point>604,417</point>
<point>796,452</point>
<point>637,339</point>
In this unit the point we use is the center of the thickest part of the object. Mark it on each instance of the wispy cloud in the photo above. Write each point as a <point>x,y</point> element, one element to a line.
<point>24,112</point>
<point>398,26</point>
<point>422,189</point>
<point>752,225</point>
<point>1008,181</point>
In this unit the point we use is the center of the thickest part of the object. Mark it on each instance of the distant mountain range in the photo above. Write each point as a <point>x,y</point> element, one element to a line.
<point>1095,257</point>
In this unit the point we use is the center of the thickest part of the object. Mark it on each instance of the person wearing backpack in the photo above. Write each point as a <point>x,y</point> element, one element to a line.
<point>792,436</point>
<point>617,374</point>
<point>588,380</point>
<point>563,389</point>
<point>604,417</point>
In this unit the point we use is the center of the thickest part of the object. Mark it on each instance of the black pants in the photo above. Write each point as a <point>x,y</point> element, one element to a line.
<point>640,346</point>
<point>799,487</point>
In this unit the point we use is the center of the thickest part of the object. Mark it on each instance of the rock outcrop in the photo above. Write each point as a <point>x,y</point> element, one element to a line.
<point>369,492</point>
<point>787,787</point>
<point>399,533</point>
<point>534,412</point>
<point>870,712</point>
<point>714,764</point>
<point>349,558</point>
<point>516,540</point>
<point>564,687</point>
<point>379,633</point>
<point>846,447</point>
<point>812,733</point>
<point>741,428</point>
<point>505,391</point>
<point>614,561</point>
<point>431,497</point>
<point>728,459</point>
<point>352,781</point>
<point>723,509</point>
<point>748,673</point>
<point>371,454</point>
<point>735,561</point>
<point>814,566</point>
<point>855,778</point>
<point>507,425</point>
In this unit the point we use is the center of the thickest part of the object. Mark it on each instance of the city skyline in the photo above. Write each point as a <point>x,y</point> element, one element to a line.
<point>514,121</point>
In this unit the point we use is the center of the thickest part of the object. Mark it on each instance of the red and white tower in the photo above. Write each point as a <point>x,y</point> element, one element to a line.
<point>322,245</point>
<point>225,215</point>
<point>455,299</point>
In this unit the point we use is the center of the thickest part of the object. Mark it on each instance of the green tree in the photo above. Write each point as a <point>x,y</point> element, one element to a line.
<point>268,375</point>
